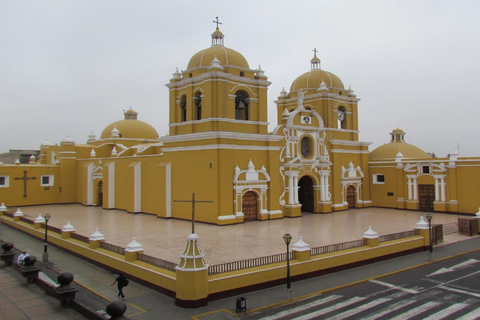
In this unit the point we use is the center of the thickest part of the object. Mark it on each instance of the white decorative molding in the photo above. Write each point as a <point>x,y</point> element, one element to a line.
<point>97,236</point>
<point>134,246</point>
<point>370,234</point>
<point>421,224</point>
<point>68,227</point>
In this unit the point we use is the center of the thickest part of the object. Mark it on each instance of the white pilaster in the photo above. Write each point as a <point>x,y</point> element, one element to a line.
<point>111,185</point>
<point>90,184</point>
<point>137,187</point>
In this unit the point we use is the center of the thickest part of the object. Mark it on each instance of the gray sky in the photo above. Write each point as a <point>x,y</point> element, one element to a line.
<point>70,67</point>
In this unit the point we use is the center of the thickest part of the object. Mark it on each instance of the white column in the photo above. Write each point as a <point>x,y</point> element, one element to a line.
<point>323,183</point>
<point>444,197</point>
<point>111,185</point>
<point>137,187</point>
<point>90,184</point>
<point>290,190</point>
<point>442,188</point>
<point>295,188</point>
<point>327,195</point>
<point>437,189</point>
<point>415,191</point>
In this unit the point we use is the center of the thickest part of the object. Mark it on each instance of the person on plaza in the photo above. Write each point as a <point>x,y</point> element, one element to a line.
<point>121,281</point>
<point>22,257</point>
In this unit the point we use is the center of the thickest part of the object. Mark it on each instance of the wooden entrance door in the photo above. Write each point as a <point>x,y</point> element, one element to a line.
<point>249,206</point>
<point>305,194</point>
<point>100,193</point>
<point>351,196</point>
<point>426,193</point>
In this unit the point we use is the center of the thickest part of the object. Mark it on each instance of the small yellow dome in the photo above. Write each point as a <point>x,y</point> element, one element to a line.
<point>390,151</point>
<point>130,128</point>
<point>397,144</point>
<point>313,79</point>
<point>226,56</point>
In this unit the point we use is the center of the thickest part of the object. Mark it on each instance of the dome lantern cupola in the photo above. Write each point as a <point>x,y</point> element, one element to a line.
<point>315,60</point>
<point>217,35</point>
<point>130,114</point>
<point>398,135</point>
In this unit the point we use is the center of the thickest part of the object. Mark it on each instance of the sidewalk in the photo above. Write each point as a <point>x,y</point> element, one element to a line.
<point>144,303</point>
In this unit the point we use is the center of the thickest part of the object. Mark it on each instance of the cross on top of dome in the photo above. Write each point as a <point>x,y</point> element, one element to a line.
<point>315,60</point>
<point>217,35</point>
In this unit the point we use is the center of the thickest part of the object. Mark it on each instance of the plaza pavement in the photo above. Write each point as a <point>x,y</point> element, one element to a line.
<point>165,238</point>
<point>144,303</point>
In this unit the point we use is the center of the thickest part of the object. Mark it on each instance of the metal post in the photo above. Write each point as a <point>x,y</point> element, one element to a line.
<point>288,268</point>
<point>45,247</point>
<point>287,238</point>
<point>430,233</point>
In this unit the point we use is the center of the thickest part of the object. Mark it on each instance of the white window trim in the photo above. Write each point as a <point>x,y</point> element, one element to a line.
<point>7,182</point>
<point>375,178</point>
<point>50,181</point>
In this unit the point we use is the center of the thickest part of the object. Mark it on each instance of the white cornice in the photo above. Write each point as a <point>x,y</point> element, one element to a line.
<point>349,143</point>
<point>318,97</point>
<point>350,151</point>
<point>190,122</point>
<point>221,146</point>
<point>221,135</point>
<point>216,76</point>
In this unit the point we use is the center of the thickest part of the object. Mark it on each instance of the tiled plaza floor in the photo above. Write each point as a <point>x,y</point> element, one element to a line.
<point>165,238</point>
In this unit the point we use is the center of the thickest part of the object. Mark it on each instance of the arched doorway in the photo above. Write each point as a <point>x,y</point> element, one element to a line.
<point>426,194</point>
<point>100,193</point>
<point>351,196</point>
<point>249,206</point>
<point>305,194</point>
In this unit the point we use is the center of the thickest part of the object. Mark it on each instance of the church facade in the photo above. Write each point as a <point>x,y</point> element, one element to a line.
<point>219,149</point>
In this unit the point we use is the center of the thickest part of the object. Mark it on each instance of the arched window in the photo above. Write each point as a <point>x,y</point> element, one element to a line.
<point>183,108</point>
<point>198,106</point>
<point>241,105</point>
<point>342,117</point>
<point>306,147</point>
<point>242,74</point>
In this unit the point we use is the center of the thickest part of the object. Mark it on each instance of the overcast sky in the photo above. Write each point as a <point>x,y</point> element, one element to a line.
<point>70,67</point>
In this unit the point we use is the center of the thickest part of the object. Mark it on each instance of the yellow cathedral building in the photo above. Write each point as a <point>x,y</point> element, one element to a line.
<point>219,149</point>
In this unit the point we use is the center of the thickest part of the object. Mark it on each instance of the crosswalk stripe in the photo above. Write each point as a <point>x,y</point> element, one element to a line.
<point>361,308</point>
<point>391,308</point>
<point>460,291</point>
<point>330,309</point>
<point>446,312</point>
<point>416,311</point>
<point>471,315</point>
<point>392,286</point>
<point>302,307</point>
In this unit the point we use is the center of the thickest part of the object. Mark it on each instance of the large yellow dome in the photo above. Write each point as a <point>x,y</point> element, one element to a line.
<point>397,144</point>
<point>313,79</point>
<point>130,128</point>
<point>226,56</point>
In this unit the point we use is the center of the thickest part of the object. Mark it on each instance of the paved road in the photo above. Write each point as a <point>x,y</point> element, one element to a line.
<point>449,289</point>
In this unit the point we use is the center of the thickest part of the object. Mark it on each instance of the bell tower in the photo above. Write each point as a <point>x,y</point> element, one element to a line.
<point>218,92</point>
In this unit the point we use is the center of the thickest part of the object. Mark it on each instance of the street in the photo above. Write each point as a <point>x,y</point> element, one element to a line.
<point>447,289</point>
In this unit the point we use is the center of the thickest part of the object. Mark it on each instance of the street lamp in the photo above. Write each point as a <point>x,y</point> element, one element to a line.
<point>287,238</point>
<point>45,248</point>
<point>429,218</point>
